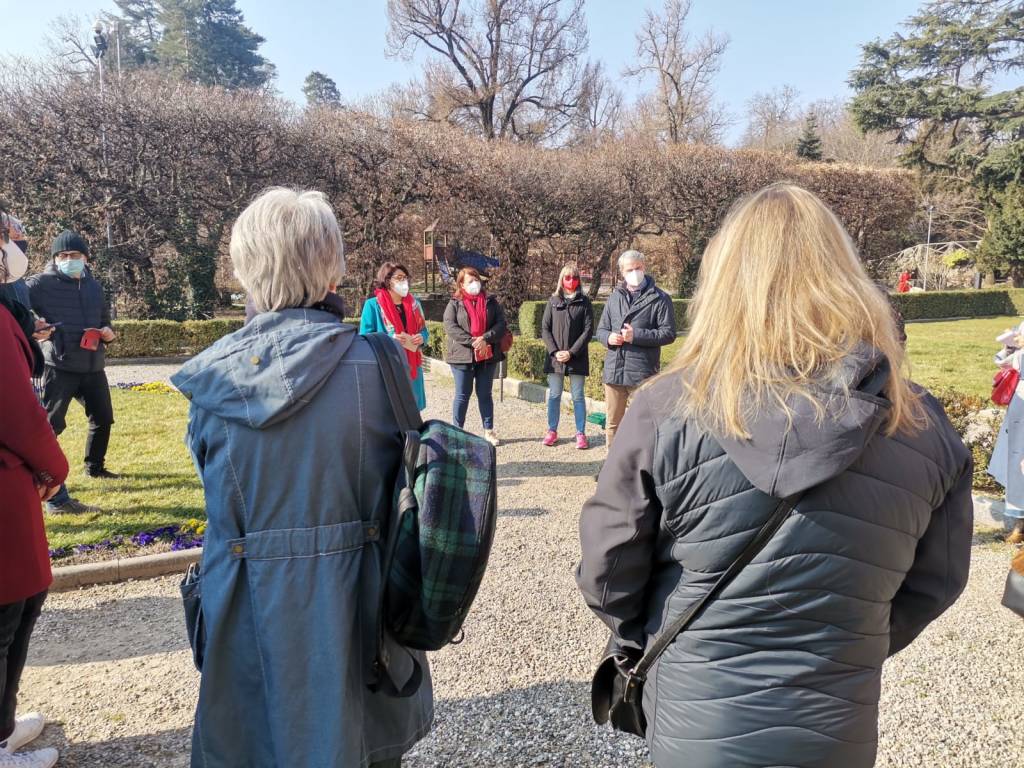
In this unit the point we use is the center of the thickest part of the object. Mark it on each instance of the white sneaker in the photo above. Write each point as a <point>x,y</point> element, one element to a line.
<point>491,438</point>
<point>26,729</point>
<point>41,758</point>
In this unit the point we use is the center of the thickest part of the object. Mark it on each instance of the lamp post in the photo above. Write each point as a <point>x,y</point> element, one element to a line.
<point>100,46</point>
<point>928,246</point>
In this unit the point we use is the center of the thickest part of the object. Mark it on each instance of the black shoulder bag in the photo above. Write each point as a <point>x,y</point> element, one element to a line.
<point>616,693</point>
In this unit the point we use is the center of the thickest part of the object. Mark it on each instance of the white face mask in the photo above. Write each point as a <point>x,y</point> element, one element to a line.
<point>473,288</point>
<point>15,263</point>
<point>401,288</point>
<point>635,278</point>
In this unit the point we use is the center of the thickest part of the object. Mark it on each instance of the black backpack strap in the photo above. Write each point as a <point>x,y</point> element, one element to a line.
<point>638,675</point>
<point>396,381</point>
<point>403,403</point>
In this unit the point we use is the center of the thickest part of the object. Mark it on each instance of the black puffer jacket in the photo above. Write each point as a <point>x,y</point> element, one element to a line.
<point>654,325</point>
<point>460,342</point>
<point>785,667</point>
<point>77,304</point>
<point>568,325</point>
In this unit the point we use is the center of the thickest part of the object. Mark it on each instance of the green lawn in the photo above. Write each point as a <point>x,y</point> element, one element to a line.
<point>957,353</point>
<point>160,487</point>
<point>159,484</point>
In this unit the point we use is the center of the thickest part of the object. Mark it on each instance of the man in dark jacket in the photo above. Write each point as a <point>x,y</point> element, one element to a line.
<point>637,322</point>
<point>67,294</point>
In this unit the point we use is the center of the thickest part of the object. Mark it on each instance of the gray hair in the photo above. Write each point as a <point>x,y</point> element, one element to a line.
<point>287,249</point>
<point>631,256</point>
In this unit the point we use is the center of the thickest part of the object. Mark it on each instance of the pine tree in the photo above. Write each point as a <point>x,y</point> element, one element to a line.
<point>945,87</point>
<point>320,90</point>
<point>207,41</point>
<point>808,146</point>
<point>1003,244</point>
<point>139,31</point>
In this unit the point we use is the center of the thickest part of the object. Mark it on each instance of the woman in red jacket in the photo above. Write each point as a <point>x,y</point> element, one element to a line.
<point>32,468</point>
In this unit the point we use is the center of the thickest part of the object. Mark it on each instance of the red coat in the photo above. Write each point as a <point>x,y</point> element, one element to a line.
<point>28,448</point>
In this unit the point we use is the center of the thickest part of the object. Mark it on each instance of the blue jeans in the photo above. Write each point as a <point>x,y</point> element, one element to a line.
<point>482,376</point>
<point>556,382</point>
<point>60,497</point>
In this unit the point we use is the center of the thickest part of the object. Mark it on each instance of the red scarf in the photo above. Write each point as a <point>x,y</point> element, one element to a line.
<point>393,323</point>
<point>476,308</point>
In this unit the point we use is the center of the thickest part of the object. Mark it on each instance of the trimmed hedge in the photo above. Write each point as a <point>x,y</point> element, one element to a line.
<point>531,316</point>
<point>165,338</point>
<point>170,338</point>
<point>526,362</point>
<point>934,305</point>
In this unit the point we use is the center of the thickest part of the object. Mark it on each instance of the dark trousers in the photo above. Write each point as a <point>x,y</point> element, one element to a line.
<point>395,763</point>
<point>17,620</point>
<point>480,375</point>
<point>92,391</point>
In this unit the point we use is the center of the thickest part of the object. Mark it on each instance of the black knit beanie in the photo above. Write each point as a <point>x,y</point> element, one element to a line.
<point>69,241</point>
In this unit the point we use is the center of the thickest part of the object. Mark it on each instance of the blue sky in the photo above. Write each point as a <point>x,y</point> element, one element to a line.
<point>809,44</point>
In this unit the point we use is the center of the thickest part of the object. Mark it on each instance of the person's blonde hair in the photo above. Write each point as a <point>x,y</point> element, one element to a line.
<point>287,249</point>
<point>569,269</point>
<point>782,300</point>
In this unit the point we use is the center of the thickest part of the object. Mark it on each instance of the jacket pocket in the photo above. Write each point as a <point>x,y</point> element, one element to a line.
<point>192,602</point>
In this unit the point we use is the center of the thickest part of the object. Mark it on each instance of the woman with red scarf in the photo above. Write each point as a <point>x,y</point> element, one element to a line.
<point>396,312</point>
<point>474,323</point>
<point>32,468</point>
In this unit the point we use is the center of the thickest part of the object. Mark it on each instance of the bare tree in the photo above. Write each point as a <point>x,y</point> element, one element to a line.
<point>683,100</point>
<point>70,44</point>
<point>600,112</point>
<point>507,68</point>
<point>773,119</point>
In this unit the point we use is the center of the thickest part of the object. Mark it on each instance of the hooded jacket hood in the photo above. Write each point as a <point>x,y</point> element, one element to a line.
<point>268,370</point>
<point>783,459</point>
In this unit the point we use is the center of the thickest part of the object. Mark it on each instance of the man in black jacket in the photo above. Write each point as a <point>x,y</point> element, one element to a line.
<point>637,322</point>
<point>69,296</point>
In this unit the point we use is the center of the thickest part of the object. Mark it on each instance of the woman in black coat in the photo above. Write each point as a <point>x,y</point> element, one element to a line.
<point>474,325</point>
<point>792,388</point>
<point>566,329</point>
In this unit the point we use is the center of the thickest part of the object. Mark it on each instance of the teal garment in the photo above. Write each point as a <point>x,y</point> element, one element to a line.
<point>372,321</point>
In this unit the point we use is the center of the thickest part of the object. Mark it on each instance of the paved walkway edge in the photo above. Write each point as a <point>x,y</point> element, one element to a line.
<point>123,569</point>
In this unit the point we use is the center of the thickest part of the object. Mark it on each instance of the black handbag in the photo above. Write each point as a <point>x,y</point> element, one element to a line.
<point>1013,594</point>
<point>616,692</point>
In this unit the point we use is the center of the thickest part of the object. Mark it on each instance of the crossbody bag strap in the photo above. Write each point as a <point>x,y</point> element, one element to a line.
<point>639,672</point>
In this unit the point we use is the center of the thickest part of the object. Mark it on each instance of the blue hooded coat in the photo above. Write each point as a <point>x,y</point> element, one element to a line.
<point>298,449</point>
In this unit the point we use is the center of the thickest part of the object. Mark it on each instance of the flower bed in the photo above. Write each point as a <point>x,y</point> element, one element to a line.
<point>168,538</point>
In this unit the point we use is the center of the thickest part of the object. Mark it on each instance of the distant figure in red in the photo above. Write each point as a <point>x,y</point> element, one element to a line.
<point>904,285</point>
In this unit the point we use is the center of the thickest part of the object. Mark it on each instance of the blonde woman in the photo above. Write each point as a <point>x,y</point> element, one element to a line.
<point>791,385</point>
<point>566,329</point>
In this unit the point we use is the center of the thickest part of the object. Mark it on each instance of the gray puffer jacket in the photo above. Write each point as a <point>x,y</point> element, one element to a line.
<point>652,316</point>
<point>784,668</point>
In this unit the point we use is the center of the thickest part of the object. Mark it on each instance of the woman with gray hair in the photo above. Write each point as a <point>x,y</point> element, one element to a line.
<point>298,448</point>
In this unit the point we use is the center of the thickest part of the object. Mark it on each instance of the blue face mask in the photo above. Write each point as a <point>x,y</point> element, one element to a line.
<point>71,267</point>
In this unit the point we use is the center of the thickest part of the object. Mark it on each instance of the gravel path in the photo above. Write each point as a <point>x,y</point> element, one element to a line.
<point>110,665</point>
<point>140,373</point>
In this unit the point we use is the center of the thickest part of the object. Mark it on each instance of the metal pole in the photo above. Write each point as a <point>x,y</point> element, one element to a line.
<point>100,55</point>
<point>118,28</point>
<point>928,247</point>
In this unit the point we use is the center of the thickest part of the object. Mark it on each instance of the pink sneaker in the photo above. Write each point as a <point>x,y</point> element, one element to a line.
<point>581,441</point>
<point>550,438</point>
